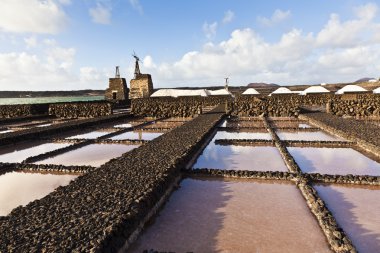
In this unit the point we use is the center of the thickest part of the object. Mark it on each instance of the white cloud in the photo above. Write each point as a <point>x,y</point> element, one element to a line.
<point>65,2</point>
<point>210,29</point>
<point>30,42</point>
<point>148,62</point>
<point>277,17</point>
<point>136,5</point>
<point>228,17</point>
<point>100,14</point>
<point>33,16</point>
<point>367,11</point>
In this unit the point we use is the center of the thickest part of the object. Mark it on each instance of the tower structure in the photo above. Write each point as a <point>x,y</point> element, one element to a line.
<point>141,84</point>
<point>226,84</point>
<point>117,88</point>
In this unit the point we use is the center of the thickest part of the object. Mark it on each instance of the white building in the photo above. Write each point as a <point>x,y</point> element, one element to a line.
<point>250,91</point>
<point>282,90</point>
<point>377,90</point>
<point>314,89</point>
<point>350,88</point>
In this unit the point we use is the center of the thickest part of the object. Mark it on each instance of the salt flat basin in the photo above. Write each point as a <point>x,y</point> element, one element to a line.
<point>19,188</point>
<point>242,135</point>
<point>125,125</point>
<point>356,209</point>
<point>92,155</point>
<point>18,153</point>
<point>230,157</point>
<point>233,216</point>
<point>136,135</point>
<point>307,136</point>
<point>6,131</point>
<point>339,161</point>
<point>90,135</point>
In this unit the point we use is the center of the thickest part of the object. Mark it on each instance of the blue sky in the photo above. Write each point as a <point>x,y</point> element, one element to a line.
<point>75,44</point>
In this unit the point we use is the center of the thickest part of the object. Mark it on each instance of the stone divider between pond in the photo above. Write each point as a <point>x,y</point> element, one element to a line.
<point>248,174</point>
<point>365,135</point>
<point>344,179</point>
<point>36,133</point>
<point>100,210</point>
<point>337,238</point>
<point>83,109</point>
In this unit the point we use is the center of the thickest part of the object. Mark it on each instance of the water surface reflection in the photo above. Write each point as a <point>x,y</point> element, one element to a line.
<point>19,188</point>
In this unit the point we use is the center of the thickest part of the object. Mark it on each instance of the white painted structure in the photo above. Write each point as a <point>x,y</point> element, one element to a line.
<point>350,88</point>
<point>282,90</point>
<point>314,89</point>
<point>250,91</point>
<point>377,90</point>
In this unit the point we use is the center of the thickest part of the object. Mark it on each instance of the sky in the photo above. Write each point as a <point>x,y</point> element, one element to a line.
<point>76,44</point>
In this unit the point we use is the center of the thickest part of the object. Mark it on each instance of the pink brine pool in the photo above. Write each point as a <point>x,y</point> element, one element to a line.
<point>233,216</point>
<point>356,210</point>
<point>18,188</point>
<point>339,161</point>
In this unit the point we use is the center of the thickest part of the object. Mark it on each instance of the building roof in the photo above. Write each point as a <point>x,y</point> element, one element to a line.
<point>314,89</point>
<point>350,88</point>
<point>221,92</point>
<point>282,90</point>
<point>179,93</point>
<point>377,90</point>
<point>250,91</point>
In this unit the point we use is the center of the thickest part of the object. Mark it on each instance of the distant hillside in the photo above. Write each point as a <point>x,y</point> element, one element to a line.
<point>18,94</point>
<point>365,79</point>
<point>262,85</point>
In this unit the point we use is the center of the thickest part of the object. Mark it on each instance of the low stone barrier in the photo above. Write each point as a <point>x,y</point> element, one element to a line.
<point>40,133</point>
<point>269,175</point>
<point>99,211</point>
<point>366,135</point>
<point>174,107</point>
<point>344,179</point>
<point>81,109</point>
<point>338,240</point>
<point>53,168</point>
<point>365,106</point>
<point>23,110</point>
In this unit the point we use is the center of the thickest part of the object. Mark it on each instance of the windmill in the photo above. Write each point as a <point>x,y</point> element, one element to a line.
<point>137,67</point>
<point>226,85</point>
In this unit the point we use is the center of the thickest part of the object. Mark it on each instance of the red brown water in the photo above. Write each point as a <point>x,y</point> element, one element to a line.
<point>90,135</point>
<point>20,152</point>
<point>136,135</point>
<point>339,161</point>
<point>356,210</point>
<point>233,216</point>
<point>19,188</point>
<point>92,155</point>
<point>307,136</point>
<point>257,158</point>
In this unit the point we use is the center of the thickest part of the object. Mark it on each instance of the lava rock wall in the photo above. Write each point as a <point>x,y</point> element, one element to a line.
<point>23,110</point>
<point>80,109</point>
<point>174,107</point>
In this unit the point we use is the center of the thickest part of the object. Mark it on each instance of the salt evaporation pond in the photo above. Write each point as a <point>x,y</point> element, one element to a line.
<point>356,209</point>
<point>90,135</point>
<point>137,135</point>
<point>233,216</point>
<point>339,161</point>
<point>242,135</point>
<point>307,136</point>
<point>92,155</point>
<point>255,158</point>
<point>19,153</point>
<point>18,188</point>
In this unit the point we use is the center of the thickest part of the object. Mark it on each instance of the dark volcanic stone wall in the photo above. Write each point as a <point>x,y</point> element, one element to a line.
<point>13,111</point>
<point>174,107</point>
<point>363,106</point>
<point>98,211</point>
<point>80,109</point>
